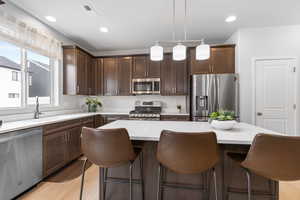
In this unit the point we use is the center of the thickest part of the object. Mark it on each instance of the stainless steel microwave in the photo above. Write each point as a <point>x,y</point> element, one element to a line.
<point>146,86</point>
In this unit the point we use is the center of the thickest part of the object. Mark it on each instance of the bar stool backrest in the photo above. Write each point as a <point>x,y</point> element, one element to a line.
<point>188,153</point>
<point>107,147</point>
<point>275,157</point>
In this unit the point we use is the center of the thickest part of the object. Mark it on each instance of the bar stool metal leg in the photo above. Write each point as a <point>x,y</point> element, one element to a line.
<point>215,183</point>
<point>142,174</point>
<point>159,182</point>
<point>104,183</point>
<point>248,183</point>
<point>101,184</point>
<point>130,180</point>
<point>82,178</point>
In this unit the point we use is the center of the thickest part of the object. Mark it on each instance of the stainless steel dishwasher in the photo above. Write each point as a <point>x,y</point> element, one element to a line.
<point>20,161</point>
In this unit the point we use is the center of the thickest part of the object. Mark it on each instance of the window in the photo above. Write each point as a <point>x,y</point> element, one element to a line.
<point>25,74</point>
<point>15,76</point>
<point>39,78</point>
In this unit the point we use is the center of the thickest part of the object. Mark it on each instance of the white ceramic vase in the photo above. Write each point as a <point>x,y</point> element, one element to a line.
<point>223,125</point>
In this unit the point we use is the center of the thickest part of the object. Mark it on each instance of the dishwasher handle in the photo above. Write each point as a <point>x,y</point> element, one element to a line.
<point>11,136</point>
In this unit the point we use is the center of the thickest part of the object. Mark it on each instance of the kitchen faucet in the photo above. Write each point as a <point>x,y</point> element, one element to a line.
<point>37,109</point>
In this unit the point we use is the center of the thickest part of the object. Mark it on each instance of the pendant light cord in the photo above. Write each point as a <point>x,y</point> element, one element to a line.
<point>173,35</point>
<point>185,16</point>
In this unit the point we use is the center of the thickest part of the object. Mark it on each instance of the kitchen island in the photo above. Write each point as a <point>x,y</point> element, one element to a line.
<point>232,184</point>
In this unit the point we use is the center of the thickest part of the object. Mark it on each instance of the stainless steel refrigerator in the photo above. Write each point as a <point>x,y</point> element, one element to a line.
<point>214,92</point>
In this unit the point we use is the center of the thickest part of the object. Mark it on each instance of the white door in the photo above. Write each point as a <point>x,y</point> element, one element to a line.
<point>275,89</point>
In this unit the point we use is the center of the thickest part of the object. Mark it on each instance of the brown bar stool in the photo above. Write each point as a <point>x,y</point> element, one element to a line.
<point>274,157</point>
<point>109,148</point>
<point>186,153</point>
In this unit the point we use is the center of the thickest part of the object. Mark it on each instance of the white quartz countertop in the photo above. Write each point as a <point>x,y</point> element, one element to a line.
<point>30,123</point>
<point>150,130</point>
<point>24,124</point>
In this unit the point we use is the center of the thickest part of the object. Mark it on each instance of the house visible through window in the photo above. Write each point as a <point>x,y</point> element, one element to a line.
<point>15,76</point>
<point>39,73</point>
<point>13,95</point>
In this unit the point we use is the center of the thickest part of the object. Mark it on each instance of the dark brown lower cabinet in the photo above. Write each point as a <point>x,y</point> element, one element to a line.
<point>62,143</point>
<point>74,143</point>
<point>175,118</point>
<point>98,121</point>
<point>55,152</point>
<point>111,118</point>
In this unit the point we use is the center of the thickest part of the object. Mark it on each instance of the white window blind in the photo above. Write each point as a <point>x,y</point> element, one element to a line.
<point>19,32</point>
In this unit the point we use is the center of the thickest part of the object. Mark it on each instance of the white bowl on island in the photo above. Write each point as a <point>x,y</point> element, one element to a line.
<point>223,125</point>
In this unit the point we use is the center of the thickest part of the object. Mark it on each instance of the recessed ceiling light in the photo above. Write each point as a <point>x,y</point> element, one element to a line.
<point>51,18</point>
<point>104,29</point>
<point>231,18</point>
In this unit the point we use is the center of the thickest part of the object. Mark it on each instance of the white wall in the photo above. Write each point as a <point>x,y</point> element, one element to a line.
<point>126,103</point>
<point>262,43</point>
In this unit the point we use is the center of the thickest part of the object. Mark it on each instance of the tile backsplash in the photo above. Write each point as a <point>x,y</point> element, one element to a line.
<point>126,103</point>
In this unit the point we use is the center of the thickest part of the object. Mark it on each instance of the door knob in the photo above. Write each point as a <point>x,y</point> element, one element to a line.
<point>259,114</point>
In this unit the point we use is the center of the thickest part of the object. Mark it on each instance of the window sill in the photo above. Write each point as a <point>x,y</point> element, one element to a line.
<point>30,109</point>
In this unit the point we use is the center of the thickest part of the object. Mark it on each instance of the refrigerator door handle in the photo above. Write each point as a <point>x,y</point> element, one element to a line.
<point>217,99</point>
<point>196,99</point>
<point>210,93</point>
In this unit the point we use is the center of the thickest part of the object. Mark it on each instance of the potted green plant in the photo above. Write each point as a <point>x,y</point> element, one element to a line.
<point>92,104</point>
<point>222,119</point>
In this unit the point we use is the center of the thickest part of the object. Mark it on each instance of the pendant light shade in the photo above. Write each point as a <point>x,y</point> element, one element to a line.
<point>156,53</point>
<point>179,52</point>
<point>202,51</point>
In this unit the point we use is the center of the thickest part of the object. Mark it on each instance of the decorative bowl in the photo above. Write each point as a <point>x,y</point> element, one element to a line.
<point>223,125</point>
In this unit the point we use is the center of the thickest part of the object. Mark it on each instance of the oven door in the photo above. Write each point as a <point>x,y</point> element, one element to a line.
<point>142,86</point>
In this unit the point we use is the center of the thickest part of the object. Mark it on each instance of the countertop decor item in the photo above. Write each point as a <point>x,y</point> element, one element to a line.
<point>224,120</point>
<point>92,104</point>
<point>1,123</point>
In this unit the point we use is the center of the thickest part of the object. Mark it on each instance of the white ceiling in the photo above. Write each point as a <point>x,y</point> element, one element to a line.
<point>136,24</point>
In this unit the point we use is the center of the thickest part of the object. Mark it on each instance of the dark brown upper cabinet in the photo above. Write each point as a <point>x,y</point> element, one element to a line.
<point>77,65</point>
<point>117,76</point>
<point>198,66</point>
<point>110,76</point>
<point>143,67</point>
<point>222,60</point>
<point>153,68</point>
<point>124,75</point>
<point>139,68</point>
<point>174,77</point>
<point>98,64</point>
<point>91,78</point>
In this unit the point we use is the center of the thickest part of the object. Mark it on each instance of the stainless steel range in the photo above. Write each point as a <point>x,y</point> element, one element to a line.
<point>146,110</point>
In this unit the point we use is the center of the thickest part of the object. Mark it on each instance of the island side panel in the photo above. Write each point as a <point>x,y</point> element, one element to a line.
<point>231,180</point>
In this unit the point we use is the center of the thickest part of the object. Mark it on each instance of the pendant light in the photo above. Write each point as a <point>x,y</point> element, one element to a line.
<point>180,49</point>
<point>202,51</point>
<point>179,52</point>
<point>156,52</point>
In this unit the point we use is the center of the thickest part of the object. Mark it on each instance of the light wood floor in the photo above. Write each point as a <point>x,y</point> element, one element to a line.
<point>65,185</point>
